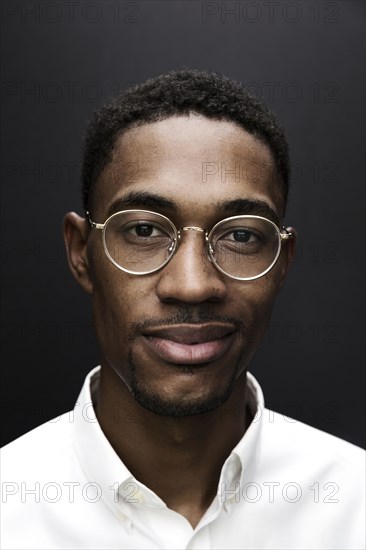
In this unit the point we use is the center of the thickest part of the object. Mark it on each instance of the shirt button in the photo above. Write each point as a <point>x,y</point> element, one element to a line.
<point>140,497</point>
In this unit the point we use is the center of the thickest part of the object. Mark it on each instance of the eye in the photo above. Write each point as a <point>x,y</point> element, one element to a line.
<point>241,235</point>
<point>145,230</point>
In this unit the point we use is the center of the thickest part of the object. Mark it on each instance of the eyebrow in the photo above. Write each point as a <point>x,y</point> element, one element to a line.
<point>249,206</point>
<point>144,200</point>
<point>141,199</point>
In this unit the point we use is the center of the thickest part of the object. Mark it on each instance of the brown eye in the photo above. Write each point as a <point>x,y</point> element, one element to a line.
<point>144,230</point>
<point>242,236</point>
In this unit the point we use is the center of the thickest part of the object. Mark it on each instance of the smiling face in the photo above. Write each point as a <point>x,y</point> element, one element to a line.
<point>180,338</point>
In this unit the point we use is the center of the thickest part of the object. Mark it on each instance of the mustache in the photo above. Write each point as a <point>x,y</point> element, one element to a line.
<point>186,315</point>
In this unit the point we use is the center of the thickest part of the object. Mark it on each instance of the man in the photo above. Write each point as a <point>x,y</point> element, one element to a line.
<point>183,251</point>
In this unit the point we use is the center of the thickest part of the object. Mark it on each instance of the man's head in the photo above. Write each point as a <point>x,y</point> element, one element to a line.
<point>179,338</point>
<point>179,93</point>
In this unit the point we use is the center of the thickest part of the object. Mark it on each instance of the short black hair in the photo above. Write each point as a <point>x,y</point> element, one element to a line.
<point>180,93</point>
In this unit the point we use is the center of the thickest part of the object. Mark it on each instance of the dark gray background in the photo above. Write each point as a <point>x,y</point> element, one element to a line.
<point>60,60</point>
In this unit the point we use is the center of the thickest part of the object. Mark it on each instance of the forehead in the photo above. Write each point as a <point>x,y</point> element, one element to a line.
<point>194,162</point>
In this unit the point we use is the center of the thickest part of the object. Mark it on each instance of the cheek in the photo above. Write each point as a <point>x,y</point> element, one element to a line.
<point>257,299</point>
<point>118,301</point>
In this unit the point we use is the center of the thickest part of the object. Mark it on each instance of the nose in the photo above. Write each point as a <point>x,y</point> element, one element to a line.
<point>190,276</point>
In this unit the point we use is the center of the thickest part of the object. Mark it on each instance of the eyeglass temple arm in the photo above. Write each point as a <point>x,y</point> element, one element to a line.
<point>94,225</point>
<point>285,235</point>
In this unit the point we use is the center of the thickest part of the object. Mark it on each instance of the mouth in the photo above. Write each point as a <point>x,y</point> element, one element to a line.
<point>190,344</point>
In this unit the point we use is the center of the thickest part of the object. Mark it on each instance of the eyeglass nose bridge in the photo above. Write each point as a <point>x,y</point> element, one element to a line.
<point>192,228</point>
<point>196,229</point>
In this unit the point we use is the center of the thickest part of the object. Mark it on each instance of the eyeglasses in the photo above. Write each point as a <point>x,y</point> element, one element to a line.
<point>140,242</point>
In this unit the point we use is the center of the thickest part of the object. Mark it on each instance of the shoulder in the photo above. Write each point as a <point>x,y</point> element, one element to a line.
<point>304,448</point>
<point>44,484</point>
<point>49,447</point>
<point>40,452</point>
<point>288,443</point>
<point>289,429</point>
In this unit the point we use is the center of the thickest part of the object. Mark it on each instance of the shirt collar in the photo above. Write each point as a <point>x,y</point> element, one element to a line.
<point>100,463</point>
<point>103,467</point>
<point>239,468</point>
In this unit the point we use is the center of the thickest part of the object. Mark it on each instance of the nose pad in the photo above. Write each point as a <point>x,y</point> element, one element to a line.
<point>210,252</point>
<point>208,247</point>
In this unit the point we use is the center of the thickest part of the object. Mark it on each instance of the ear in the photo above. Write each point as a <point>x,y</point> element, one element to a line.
<point>76,232</point>
<point>288,253</point>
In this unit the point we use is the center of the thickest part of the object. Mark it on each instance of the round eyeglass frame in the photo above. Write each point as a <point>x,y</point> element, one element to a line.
<point>283,235</point>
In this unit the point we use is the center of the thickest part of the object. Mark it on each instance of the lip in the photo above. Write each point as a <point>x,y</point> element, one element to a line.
<point>190,344</point>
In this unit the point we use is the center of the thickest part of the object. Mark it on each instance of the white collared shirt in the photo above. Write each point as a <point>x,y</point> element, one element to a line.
<point>284,486</point>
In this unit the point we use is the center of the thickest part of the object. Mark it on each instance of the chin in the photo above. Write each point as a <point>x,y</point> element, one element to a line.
<point>179,407</point>
<point>184,400</point>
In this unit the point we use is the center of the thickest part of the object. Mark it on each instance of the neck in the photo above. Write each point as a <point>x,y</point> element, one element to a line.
<point>184,454</point>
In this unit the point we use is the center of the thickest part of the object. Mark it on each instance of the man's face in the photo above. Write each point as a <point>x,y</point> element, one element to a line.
<point>179,338</point>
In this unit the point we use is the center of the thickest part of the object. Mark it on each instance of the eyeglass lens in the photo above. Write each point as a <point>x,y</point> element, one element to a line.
<point>245,247</point>
<point>139,242</point>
